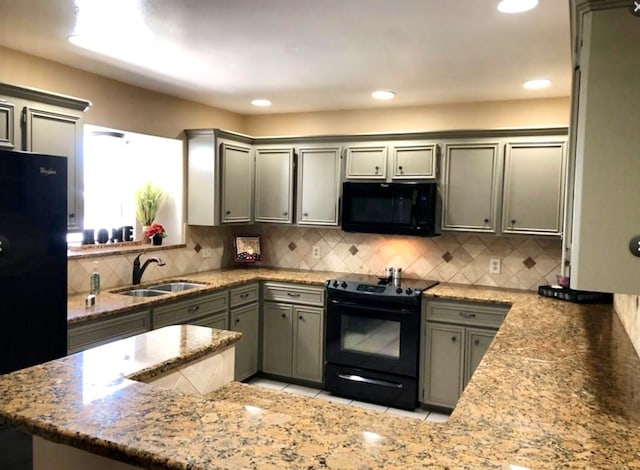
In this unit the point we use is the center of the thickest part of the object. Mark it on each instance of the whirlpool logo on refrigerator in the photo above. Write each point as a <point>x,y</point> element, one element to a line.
<point>47,171</point>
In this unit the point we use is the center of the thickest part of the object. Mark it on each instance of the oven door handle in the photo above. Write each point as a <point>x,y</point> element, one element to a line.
<point>359,378</point>
<point>359,306</point>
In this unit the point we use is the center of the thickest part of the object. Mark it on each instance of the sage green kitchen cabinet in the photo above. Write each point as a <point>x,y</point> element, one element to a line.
<point>319,185</point>
<point>245,318</point>
<point>534,187</point>
<point>48,123</point>
<point>471,186</point>
<point>7,118</point>
<point>277,339</point>
<point>414,160</point>
<point>478,341</point>
<point>308,343</point>
<point>367,161</point>
<point>192,310</point>
<point>607,138</point>
<point>274,184</point>
<point>87,335</point>
<point>445,364</point>
<point>220,321</point>
<point>237,182</point>
<point>293,323</point>
<point>456,336</point>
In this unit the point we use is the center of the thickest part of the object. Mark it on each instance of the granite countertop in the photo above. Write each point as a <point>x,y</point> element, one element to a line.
<point>559,387</point>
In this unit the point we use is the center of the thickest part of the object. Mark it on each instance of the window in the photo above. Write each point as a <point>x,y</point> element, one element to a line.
<point>116,163</point>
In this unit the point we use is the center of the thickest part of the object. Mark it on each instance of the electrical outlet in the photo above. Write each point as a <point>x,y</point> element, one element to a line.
<point>206,252</point>
<point>495,266</point>
<point>316,252</point>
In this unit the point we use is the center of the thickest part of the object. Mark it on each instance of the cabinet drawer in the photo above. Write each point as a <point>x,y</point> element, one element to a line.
<point>466,313</point>
<point>104,331</point>
<point>243,295</point>
<point>187,310</point>
<point>293,293</point>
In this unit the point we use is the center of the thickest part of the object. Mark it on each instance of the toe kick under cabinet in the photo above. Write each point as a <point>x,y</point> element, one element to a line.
<point>293,317</point>
<point>455,337</point>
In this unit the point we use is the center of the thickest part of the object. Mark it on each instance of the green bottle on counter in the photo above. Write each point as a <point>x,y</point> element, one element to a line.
<point>94,280</point>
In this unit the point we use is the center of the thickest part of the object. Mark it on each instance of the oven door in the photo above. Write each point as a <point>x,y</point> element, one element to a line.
<point>374,336</point>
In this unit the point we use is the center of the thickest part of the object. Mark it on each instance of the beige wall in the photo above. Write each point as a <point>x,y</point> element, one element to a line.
<point>115,104</point>
<point>483,115</point>
<point>628,310</point>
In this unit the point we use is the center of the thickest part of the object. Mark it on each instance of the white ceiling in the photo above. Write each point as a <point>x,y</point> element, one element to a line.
<point>305,55</point>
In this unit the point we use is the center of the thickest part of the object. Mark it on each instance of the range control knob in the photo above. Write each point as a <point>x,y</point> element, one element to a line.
<point>409,291</point>
<point>344,284</point>
<point>399,290</point>
<point>335,283</point>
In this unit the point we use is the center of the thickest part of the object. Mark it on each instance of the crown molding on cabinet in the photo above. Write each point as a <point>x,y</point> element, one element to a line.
<point>43,96</point>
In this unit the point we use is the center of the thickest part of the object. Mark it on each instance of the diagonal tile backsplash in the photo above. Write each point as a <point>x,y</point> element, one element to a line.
<point>459,258</point>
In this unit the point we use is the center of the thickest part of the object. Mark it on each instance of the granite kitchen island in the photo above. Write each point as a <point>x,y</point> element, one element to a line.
<point>559,387</point>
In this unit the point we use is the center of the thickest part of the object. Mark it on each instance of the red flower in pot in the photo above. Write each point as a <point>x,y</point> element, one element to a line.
<point>156,233</point>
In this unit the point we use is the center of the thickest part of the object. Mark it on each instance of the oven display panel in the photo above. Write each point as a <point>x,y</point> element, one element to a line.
<point>370,288</point>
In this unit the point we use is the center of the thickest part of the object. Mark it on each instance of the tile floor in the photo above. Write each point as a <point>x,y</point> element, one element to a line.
<point>323,395</point>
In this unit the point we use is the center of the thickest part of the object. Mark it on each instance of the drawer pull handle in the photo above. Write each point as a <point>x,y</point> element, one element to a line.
<point>293,294</point>
<point>467,315</point>
<point>195,308</point>
<point>244,295</point>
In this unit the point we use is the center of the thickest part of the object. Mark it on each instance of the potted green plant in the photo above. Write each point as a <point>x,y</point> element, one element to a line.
<point>149,199</point>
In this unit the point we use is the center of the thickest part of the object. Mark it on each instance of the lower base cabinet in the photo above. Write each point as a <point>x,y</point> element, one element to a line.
<point>246,321</point>
<point>456,337</point>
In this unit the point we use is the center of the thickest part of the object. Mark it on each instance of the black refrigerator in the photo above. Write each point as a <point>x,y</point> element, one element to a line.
<point>33,273</point>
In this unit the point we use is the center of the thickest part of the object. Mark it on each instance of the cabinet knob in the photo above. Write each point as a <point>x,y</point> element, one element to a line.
<point>305,214</point>
<point>237,321</point>
<point>477,342</point>
<point>284,315</point>
<point>486,221</point>
<point>377,168</point>
<point>72,215</point>
<point>300,317</point>
<point>400,169</point>
<point>513,221</point>
<point>228,212</point>
<point>285,213</point>
<point>454,338</point>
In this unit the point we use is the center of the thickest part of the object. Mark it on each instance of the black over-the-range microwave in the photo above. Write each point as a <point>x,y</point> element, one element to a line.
<point>393,208</point>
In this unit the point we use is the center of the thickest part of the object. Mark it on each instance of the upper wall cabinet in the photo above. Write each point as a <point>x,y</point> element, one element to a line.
<point>41,122</point>
<point>533,187</point>
<point>220,178</point>
<point>274,184</point>
<point>367,161</point>
<point>606,130</point>
<point>318,185</point>
<point>414,160</point>
<point>471,186</point>
<point>237,182</point>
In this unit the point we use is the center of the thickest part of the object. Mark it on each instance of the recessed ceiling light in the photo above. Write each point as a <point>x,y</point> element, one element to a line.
<point>536,84</point>
<point>516,6</point>
<point>383,94</point>
<point>261,102</point>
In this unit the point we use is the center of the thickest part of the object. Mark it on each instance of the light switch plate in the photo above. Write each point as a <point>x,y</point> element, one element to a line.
<point>316,252</point>
<point>206,252</point>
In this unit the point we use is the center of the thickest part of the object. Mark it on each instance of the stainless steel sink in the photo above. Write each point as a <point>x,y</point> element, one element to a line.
<point>176,286</point>
<point>143,292</point>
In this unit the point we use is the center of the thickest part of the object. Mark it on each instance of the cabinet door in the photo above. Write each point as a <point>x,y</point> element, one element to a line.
<point>414,160</point>
<point>245,320</point>
<point>7,126</point>
<point>57,133</point>
<point>277,339</point>
<point>471,187</point>
<point>476,344</point>
<point>307,344</point>
<point>444,364</point>
<point>274,185</point>
<point>367,162</point>
<point>318,185</point>
<point>533,188</point>
<point>237,183</point>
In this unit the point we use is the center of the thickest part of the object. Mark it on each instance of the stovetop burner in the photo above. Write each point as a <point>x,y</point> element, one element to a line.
<point>379,286</point>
